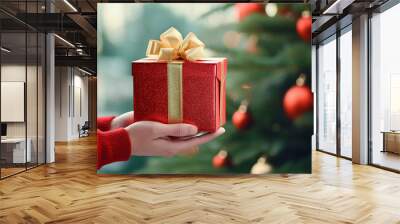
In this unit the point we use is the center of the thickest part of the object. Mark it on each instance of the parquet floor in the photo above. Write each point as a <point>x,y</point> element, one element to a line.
<point>9,171</point>
<point>69,191</point>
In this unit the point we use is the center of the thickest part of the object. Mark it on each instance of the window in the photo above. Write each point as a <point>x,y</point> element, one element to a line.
<point>327,95</point>
<point>345,92</point>
<point>385,89</point>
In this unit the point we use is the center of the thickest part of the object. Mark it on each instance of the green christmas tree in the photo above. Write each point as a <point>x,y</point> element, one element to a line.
<point>266,57</point>
<point>265,68</point>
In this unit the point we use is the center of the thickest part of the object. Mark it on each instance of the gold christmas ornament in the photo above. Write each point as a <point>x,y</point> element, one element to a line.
<point>243,106</point>
<point>301,80</point>
<point>271,9</point>
<point>261,166</point>
<point>305,13</point>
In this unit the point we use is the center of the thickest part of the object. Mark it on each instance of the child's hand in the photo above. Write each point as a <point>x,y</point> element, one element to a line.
<point>153,138</point>
<point>122,120</point>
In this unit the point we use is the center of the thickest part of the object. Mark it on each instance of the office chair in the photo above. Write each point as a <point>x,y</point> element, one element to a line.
<point>84,130</point>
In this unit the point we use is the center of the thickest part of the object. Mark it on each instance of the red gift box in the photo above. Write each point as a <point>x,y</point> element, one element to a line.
<point>181,92</point>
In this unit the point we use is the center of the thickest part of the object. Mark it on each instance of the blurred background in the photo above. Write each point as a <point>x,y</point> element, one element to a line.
<point>269,101</point>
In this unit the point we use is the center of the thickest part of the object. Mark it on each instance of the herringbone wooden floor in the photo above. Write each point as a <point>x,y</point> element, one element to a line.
<point>69,191</point>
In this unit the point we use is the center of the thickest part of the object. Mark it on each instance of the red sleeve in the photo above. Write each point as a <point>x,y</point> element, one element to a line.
<point>104,123</point>
<point>112,146</point>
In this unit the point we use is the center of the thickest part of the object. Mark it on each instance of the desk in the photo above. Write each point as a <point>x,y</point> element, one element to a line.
<point>13,150</point>
<point>391,141</point>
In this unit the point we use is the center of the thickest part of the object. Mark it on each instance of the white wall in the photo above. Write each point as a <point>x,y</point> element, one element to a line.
<point>71,96</point>
<point>61,103</point>
<point>81,84</point>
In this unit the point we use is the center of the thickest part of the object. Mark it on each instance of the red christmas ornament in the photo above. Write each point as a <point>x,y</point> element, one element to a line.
<point>303,26</point>
<point>245,9</point>
<point>251,45</point>
<point>298,99</point>
<point>241,118</point>
<point>221,159</point>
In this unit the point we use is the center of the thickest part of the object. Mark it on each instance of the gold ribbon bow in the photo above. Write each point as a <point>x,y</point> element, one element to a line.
<point>171,46</point>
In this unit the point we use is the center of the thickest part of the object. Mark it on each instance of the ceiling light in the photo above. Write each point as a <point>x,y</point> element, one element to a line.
<point>65,41</point>
<point>5,50</point>
<point>70,5</point>
<point>80,51</point>
<point>84,71</point>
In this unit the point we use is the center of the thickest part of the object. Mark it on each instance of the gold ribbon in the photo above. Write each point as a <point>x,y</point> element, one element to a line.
<point>222,95</point>
<point>175,101</point>
<point>171,46</point>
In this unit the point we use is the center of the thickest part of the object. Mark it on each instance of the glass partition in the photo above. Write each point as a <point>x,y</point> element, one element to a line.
<point>22,91</point>
<point>14,153</point>
<point>327,95</point>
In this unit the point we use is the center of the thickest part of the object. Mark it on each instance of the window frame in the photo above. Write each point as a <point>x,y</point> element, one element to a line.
<point>378,10</point>
<point>342,27</point>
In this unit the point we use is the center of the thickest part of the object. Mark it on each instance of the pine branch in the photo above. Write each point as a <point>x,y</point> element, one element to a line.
<point>292,57</point>
<point>257,23</point>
